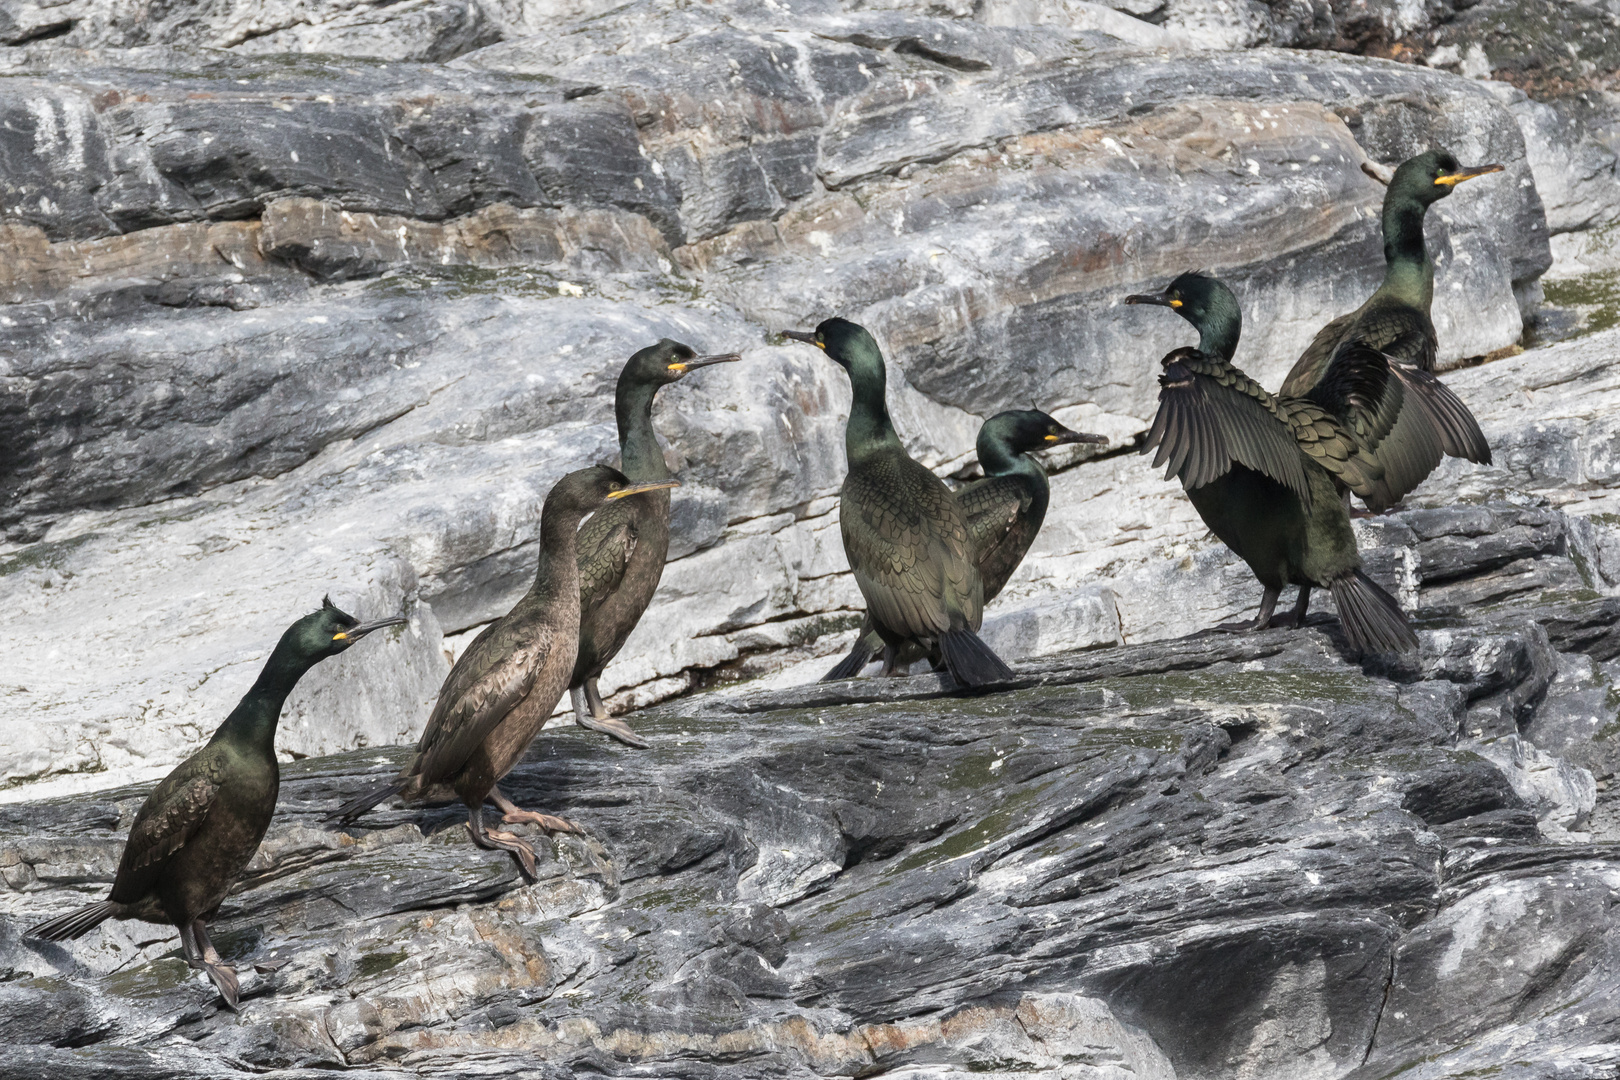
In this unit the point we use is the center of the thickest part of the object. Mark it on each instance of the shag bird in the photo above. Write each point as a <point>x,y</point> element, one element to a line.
<point>1266,473</point>
<point>197,830</point>
<point>502,690</point>
<point>623,546</point>
<point>1420,417</point>
<point>1004,512</point>
<point>904,532</point>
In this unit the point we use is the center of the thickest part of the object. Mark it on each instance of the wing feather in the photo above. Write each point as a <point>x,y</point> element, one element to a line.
<point>1212,416</point>
<point>491,679</point>
<point>908,546</point>
<point>1457,429</point>
<point>606,543</point>
<point>169,818</point>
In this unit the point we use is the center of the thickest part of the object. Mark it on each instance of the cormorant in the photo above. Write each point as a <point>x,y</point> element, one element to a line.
<point>623,546</point>
<point>1266,473</point>
<point>197,830</point>
<point>1395,322</point>
<point>1004,511</point>
<point>503,688</point>
<point>904,533</point>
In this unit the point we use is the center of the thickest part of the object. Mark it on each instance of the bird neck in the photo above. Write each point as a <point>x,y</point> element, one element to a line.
<point>1219,336</point>
<point>252,724</point>
<point>558,572</point>
<point>869,426</point>
<point>1409,272</point>
<point>642,459</point>
<point>998,459</point>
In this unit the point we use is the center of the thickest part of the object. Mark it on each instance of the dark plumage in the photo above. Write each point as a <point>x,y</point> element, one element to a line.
<point>904,533</point>
<point>1004,511</point>
<point>1265,473</point>
<point>1413,418</point>
<point>504,687</point>
<point>197,830</point>
<point>623,546</point>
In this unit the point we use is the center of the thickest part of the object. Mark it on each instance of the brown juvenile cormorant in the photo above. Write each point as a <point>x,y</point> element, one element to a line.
<point>1428,419</point>
<point>197,830</point>
<point>503,688</point>
<point>623,546</point>
<point>1004,511</point>
<point>904,533</point>
<point>1266,473</point>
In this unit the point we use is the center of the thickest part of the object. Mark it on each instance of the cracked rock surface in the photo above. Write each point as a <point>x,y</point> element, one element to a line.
<point>321,297</point>
<point>1216,857</point>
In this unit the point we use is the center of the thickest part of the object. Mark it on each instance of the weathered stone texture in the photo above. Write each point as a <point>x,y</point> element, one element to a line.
<point>308,297</point>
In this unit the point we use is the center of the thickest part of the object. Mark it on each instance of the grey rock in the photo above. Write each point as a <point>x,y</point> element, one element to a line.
<point>1189,858</point>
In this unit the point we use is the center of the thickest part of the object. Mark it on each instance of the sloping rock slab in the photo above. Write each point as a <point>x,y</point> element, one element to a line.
<point>1223,856</point>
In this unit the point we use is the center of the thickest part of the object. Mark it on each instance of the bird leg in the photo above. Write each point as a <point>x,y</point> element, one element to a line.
<point>892,668</point>
<point>516,815</point>
<point>501,841</point>
<point>589,712</point>
<point>189,949</point>
<point>220,973</point>
<point>1268,604</point>
<point>1296,617</point>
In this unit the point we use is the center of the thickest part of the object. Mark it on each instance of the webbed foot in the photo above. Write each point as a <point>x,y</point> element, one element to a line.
<point>504,841</point>
<point>516,815</point>
<point>223,976</point>
<point>614,728</point>
<point>1263,621</point>
<point>1252,626</point>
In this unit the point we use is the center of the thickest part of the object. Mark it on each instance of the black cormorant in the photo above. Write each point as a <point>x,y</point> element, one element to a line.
<point>1004,512</point>
<point>1423,418</point>
<point>502,690</point>
<point>197,830</point>
<point>1266,473</point>
<point>904,533</point>
<point>623,546</point>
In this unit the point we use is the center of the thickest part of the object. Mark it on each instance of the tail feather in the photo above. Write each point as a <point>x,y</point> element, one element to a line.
<point>1373,622</point>
<point>867,646</point>
<point>367,799</point>
<point>75,923</point>
<point>970,661</point>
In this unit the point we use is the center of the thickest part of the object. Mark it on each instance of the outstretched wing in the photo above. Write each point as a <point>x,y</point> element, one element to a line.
<point>1403,416</point>
<point>491,679</point>
<point>907,544</point>
<point>1212,415</point>
<point>606,543</point>
<point>1328,443</point>
<point>1403,333</point>
<point>1458,430</point>
<point>991,507</point>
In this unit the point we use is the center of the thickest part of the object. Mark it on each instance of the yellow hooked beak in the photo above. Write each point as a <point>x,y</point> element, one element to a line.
<point>1154,298</point>
<point>355,633</point>
<point>1068,436</point>
<point>637,489</point>
<point>1453,179</point>
<point>681,367</point>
